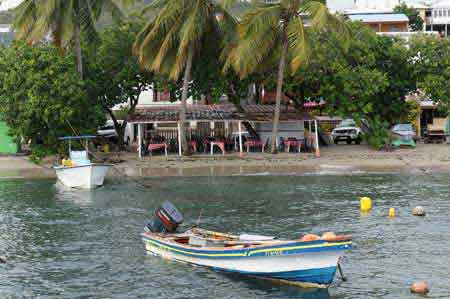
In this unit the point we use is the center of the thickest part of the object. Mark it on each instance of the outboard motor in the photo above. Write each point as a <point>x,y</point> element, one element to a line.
<point>166,219</point>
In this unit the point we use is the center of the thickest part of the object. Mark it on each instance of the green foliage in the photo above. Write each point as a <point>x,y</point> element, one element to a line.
<point>42,98</point>
<point>368,80</point>
<point>113,73</point>
<point>379,135</point>
<point>415,21</point>
<point>430,57</point>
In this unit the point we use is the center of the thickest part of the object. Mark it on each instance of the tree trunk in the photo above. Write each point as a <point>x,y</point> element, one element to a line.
<point>276,117</point>
<point>184,94</point>
<point>79,56</point>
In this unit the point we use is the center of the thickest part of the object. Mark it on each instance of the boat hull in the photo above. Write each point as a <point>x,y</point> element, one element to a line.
<point>305,264</point>
<point>82,177</point>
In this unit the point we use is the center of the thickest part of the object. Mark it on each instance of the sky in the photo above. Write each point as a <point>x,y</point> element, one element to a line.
<point>6,4</point>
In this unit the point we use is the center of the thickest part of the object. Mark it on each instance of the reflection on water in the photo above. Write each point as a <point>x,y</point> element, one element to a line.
<point>72,244</point>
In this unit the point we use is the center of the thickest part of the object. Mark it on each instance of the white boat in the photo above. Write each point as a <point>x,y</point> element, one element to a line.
<point>296,262</point>
<point>88,176</point>
<point>79,171</point>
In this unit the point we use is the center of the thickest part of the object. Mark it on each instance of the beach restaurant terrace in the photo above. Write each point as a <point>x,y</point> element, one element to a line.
<point>222,127</point>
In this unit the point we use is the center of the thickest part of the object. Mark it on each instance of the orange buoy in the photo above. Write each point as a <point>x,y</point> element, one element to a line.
<point>420,287</point>
<point>328,236</point>
<point>309,238</point>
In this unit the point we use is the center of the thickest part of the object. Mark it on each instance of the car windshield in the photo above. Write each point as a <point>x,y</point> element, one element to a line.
<point>403,127</point>
<point>347,123</point>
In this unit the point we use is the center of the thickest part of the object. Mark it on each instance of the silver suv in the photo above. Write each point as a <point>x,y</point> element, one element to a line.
<point>347,131</point>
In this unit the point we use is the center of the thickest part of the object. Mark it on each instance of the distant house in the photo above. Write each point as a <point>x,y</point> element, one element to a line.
<point>6,35</point>
<point>381,21</point>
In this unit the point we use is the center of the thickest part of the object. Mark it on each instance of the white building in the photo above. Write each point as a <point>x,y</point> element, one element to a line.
<point>437,17</point>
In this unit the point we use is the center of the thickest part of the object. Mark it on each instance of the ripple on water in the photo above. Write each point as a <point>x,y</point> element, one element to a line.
<point>65,244</point>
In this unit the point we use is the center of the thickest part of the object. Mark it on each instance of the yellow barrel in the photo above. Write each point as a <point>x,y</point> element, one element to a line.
<point>365,204</point>
<point>391,212</point>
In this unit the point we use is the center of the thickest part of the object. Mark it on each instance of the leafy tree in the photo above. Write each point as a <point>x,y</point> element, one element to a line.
<point>368,80</point>
<point>278,30</point>
<point>64,20</point>
<point>114,75</point>
<point>415,20</point>
<point>42,98</point>
<point>169,42</point>
<point>430,57</point>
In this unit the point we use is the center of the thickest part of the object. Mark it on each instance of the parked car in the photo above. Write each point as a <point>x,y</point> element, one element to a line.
<point>405,131</point>
<point>403,135</point>
<point>347,131</point>
<point>108,131</point>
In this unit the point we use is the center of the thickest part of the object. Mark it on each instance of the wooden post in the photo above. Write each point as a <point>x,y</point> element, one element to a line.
<point>317,139</point>
<point>211,128</point>
<point>179,139</point>
<point>240,138</point>
<point>140,140</point>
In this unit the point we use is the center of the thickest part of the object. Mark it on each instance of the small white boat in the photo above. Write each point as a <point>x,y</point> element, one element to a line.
<point>79,171</point>
<point>301,263</point>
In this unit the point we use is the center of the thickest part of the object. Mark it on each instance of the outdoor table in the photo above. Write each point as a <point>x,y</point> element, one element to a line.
<point>289,143</point>
<point>157,146</point>
<point>254,143</point>
<point>220,144</point>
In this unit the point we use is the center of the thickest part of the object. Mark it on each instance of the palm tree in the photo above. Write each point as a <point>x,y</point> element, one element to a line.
<point>170,41</point>
<point>64,20</point>
<point>279,29</point>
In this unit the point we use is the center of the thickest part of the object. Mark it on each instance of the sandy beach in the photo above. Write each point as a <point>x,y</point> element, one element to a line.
<point>342,159</point>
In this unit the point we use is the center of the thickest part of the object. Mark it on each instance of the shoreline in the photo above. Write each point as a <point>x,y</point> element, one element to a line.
<point>335,160</point>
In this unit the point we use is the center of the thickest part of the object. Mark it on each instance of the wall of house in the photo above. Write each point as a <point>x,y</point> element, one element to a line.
<point>286,130</point>
<point>389,27</point>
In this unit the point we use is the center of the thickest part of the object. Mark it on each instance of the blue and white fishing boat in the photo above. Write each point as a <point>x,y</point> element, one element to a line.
<point>296,262</point>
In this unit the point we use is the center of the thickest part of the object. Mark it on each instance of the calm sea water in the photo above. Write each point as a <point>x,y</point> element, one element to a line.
<point>86,244</point>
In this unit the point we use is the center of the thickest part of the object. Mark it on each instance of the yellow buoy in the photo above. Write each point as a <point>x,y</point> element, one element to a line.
<point>391,212</point>
<point>365,204</point>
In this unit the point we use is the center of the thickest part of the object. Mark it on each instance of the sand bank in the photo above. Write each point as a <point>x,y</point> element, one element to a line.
<point>342,159</point>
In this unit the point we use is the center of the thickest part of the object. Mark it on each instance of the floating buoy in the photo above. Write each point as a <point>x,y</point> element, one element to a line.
<point>391,212</point>
<point>309,238</point>
<point>420,287</point>
<point>418,211</point>
<point>2,259</point>
<point>328,236</point>
<point>365,204</point>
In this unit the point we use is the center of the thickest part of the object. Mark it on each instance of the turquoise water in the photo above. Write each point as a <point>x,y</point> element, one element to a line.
<point>86,244</point>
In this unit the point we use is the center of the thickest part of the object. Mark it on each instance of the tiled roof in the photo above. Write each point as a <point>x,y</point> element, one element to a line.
<point>263,113</point>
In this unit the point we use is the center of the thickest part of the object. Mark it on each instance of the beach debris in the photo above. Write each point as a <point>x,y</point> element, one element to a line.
<point>391,212</point>
<point>309,238</point>
<point>3,259</point>
<point>418,211</point>
<point>328,236</point>
<point>365,204</point>
<point>420,287</point>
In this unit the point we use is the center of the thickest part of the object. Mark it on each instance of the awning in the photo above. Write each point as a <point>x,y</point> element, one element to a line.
<point>223,112</point>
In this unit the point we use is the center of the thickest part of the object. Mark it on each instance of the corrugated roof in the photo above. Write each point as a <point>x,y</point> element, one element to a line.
<point>378,18</point>
<point>258,113</point>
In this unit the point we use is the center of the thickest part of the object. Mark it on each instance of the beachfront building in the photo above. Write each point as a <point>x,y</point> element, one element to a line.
<point>7,144</point>
<point>222,128</point>
<point>6,34</point>
<point>437,18</point>
<point>381,21</point>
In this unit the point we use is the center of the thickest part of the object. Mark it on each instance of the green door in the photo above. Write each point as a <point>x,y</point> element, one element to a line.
<point>7,145</point>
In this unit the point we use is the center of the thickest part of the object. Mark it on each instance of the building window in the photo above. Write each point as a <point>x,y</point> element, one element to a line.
<point>440,12</point>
